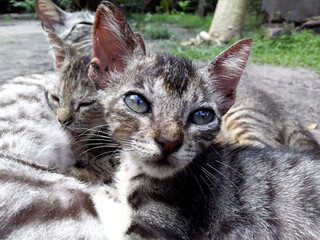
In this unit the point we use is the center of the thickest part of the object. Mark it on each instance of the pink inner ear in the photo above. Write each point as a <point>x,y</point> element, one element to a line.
<point>226,70</point>
<point>107,51</point>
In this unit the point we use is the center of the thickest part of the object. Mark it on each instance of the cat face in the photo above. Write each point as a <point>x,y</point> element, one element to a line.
<point>162,109</point>
<point>74,98</point>
<point>162,113</point>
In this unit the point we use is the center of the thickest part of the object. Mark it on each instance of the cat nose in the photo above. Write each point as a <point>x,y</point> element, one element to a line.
<point>168,147</point>
<point>66,121</point>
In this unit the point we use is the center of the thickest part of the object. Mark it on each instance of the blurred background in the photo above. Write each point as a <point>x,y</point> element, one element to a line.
<point>284,61</point>
<point>285,33</point>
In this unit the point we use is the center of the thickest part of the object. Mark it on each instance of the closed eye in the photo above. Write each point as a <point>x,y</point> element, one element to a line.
<point>55,98</point>
<point>86,104</point>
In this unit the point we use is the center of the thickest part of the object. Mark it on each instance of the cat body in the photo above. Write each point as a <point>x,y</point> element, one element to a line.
<point>36,200</point>
<point>174,182</point>
<point>257,119</point>
<point>28,128</point>
<point>223,195</point>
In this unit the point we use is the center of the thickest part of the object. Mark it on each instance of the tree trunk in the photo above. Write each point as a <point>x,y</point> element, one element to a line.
<point>228,20</point>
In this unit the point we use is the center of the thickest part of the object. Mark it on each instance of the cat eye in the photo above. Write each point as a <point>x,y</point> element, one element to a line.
<point>137,103</point>
<point>202,116</point>
<point>85,104</point>
<point>55,98</point>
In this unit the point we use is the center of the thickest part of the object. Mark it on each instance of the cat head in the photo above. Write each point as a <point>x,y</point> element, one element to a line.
<point>73,28</point>
<point>163,110</point>
<point>73,96</point>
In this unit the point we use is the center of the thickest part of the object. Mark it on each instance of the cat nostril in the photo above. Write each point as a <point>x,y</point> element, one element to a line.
<point>169,147</point>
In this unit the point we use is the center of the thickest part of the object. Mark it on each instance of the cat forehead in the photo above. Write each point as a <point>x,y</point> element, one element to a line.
<point>174,73</point>
<point>74,73</point>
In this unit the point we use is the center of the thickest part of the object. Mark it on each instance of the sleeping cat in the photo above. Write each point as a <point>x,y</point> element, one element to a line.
<point>36,200</point>
<point>73,99</point>
<point>173,182</point>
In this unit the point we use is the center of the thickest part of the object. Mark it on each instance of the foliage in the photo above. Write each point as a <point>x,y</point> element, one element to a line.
<point>160,32</point>
<point>184,4</point>
<point>296,49</point>
<point>26,5</point>
<point>203,52</point>
<point>29,5</point>
<point>190,21</point>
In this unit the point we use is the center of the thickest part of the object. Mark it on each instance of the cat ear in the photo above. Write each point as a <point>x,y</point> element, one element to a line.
<point>141,42</point>
<point>226,69</point>
<point>60,50</point>
<point>49,14</point>
<point>113,44</point>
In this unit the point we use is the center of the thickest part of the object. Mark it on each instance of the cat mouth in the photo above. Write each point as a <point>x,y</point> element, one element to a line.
<point>162,162</point>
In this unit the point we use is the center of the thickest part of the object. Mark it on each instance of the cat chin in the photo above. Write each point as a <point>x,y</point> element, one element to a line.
<point>159,169</point>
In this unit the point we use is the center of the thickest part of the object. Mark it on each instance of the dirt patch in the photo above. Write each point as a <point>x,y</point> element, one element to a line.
<point>24,50</point>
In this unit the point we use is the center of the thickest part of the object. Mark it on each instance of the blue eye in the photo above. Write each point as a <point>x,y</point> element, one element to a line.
<point>201,117</point>
<point>137,103</point>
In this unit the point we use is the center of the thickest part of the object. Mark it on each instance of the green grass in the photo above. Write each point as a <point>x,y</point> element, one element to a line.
<point>191,21</point>
<point>156,32</point>
<point>291,50</point>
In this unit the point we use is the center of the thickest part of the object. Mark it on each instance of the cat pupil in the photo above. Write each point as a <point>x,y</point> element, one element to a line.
<point>136,103</point>
<point>202,117</point>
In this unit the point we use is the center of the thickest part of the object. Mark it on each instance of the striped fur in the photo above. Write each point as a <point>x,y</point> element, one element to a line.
<point>173,182</point>
<point>36,200</point>
<point>28,127</point>
<point>256,119</point>
<point>73,97</point>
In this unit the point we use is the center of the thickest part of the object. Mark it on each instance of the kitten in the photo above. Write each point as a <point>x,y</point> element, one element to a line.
<point>173,182</point>
<point>36,200</point>
<point>73,99</point>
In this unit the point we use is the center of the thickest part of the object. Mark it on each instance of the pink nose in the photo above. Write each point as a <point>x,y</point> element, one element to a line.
<point>168,147</point>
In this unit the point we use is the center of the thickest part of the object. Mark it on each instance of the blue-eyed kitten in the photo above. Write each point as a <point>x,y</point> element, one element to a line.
<point>174,182</point>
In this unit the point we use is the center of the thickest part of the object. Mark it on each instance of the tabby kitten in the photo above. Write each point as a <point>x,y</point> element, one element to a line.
<point>174,183</point>
<point>36,200</point>
<point>73,98</point>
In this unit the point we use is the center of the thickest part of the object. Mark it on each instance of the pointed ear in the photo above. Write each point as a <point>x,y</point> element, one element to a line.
<point>113,44</point>
<point>60,50</point>
<point>226,70</point>
<point>49,14</point>
<point>141,42</point>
